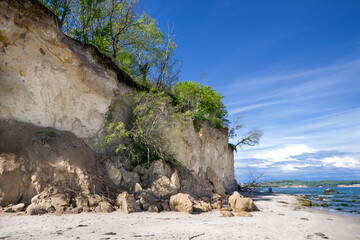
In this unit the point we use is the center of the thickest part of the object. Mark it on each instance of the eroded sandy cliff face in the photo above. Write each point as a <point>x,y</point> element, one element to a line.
<point>50,80</point>
<point>208,151</point>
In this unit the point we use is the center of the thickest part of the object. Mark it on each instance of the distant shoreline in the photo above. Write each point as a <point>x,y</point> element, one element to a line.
<point>308,184</point>
<point>304,186</point>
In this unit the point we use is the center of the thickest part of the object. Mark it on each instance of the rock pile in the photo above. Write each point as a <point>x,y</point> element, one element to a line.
<point>62,175</point>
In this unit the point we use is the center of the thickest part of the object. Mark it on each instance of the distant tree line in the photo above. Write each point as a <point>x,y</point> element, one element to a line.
<point>322,183</point>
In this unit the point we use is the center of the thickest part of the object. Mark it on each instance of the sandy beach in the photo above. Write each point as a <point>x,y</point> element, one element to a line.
<point>276,220</point>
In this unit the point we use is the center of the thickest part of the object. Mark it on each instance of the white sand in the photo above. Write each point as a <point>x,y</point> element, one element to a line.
<point>275,221</point>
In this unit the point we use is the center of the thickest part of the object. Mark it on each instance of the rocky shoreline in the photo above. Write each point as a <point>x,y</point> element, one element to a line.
<point>281,217</point>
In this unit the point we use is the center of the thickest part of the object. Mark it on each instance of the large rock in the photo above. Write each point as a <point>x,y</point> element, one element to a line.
<point>35,209</point>
<point>18,207</point>
<point>181,203</point>
<point>129,179</point>
<point>164,187</point>
<point>226,214</point>
<point>113,172</point>
<point>201,206</point>
<point>239,204</point>
<point>150,202</point>
<point>127,203</point>
<point>330,191</point>
<point>104,207</point>
<point>215,180</point>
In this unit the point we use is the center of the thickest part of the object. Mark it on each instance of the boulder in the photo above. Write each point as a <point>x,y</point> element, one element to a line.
<point>206,199</point>
<point>181,203</point>
<point>306,203</point>
<point>160,168</point>
<point>330,191</point>
<point>18,207</point>
<point>215,180</point>
<point>226,213</point>
<point>140,170</point>
<point>238,203</point>
<point>59,201</point>
<point>153,208</point>
<point>164,187</point>
<point>201,206</point>
<point>104,207</point>
<point>129,179</point>
<point>127,203</point>
<point>137,188</point>
<point>150,202</point>
<point>8,209</point>
<point>81,202</point>
<point>165,205</point>
<point>217,205</point>
<point>215,197</point>
<point>94,200</point>
<point>35,209</point>
<point>113,172</point>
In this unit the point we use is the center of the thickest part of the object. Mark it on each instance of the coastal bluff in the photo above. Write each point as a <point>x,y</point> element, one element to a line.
<point>59,90</point>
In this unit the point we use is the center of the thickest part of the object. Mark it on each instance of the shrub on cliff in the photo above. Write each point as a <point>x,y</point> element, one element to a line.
<point>154,127</point>
<point>202,102</point>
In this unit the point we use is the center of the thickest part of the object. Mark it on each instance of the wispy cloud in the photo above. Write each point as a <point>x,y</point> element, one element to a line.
<point>311,112</point>
<point>318,73</point>
<point>254,106</point>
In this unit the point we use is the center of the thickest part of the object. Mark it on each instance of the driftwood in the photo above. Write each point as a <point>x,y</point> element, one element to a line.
<point>249,186</point>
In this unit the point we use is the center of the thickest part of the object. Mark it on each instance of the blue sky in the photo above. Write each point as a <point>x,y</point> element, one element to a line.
<point>291,68</point>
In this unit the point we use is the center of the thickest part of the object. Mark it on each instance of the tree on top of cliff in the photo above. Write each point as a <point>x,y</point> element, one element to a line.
<point>120,30</point>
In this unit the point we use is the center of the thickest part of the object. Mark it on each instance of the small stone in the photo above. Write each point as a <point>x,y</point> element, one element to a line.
<point>330,191</point>
<point>18,207</point>
<point>306,203</point>
<point>138,187</point>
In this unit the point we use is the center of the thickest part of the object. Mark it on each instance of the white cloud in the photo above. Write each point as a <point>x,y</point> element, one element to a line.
<point>341,162</point>
<point>260,165</point>
<point>254,106</point>
<point>284,154</point>
<point>289,168</point>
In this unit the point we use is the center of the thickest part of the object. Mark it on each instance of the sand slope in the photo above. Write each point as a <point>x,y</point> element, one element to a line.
<point>275,221</point>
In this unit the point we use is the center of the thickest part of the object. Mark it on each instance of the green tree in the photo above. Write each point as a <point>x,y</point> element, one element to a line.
<point>203,102</point>
<point>153,131</point>
<point>252,137</point>
<point>118,29</point>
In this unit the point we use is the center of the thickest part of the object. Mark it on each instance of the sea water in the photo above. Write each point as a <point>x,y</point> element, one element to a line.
<point>346,202</point>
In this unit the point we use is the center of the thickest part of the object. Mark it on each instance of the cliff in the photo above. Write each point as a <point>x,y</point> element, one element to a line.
<point>50,80</point>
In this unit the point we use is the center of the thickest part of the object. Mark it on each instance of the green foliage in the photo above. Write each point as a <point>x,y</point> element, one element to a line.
<point>153,131</point>
<point>202,102</point>
<point>322,183</point>
<point>250,139</point>
<point>50,133</point>
<point>109,113</point>
<point>115,132</point>
<point>118,29</point>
